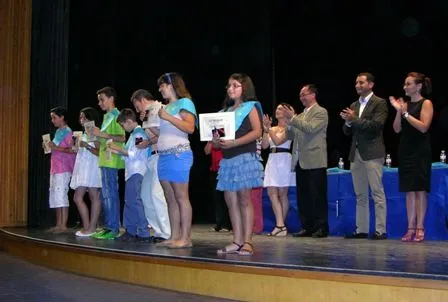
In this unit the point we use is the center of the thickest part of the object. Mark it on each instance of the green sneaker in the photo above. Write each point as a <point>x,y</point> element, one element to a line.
<point>97,235</point>
<point>110,236</point>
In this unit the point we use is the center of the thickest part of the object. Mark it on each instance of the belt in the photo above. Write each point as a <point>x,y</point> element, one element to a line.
<point>279,150</point>
<point>177,149</point>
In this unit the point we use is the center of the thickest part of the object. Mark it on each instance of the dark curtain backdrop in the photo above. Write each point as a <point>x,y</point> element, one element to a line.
<point>49,88</point>
<point>282,45</point>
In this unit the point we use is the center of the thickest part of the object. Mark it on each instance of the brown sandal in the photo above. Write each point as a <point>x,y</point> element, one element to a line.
<point>245,251</point>
<point>225,250</point>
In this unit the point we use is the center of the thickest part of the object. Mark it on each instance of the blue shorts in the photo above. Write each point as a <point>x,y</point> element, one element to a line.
<point>175,167</point>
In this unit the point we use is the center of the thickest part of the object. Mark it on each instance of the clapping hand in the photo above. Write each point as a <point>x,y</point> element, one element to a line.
<point>348,114</point>
<point>267,122</point>
<point>288,113</point>
<point>399,104</point>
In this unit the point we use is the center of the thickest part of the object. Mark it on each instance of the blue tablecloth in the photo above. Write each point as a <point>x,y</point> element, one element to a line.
<point>342,205</point>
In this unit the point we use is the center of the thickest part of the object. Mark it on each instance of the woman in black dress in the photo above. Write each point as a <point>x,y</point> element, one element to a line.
<point>413,120</point>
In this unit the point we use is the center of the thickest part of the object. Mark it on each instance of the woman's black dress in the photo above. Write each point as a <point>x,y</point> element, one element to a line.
<point>414,152</point>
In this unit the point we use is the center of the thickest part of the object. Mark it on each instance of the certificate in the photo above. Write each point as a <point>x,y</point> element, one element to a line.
<point>221,123</point>
<point>89,126</point>
<point>45,143</point>
<point>152,118</point>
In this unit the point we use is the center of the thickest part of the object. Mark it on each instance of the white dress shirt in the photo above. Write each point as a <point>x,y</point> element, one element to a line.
<point>363,102</point>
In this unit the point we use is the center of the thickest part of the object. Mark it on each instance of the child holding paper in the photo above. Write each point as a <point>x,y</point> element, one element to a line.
<point>134,219</point>
<point>87,176</point>
<point>62,162</point>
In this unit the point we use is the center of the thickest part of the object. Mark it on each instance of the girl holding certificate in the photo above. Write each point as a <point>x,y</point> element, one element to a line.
<point>87,176</point>
<point>62,162</point>
<point>177,120</point>
<point>240,169</point>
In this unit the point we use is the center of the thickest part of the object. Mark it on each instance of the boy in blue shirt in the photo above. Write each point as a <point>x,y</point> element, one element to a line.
<point>134,219</point>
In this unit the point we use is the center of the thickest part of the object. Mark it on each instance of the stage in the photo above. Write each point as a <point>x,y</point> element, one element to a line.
<point>293,261</point>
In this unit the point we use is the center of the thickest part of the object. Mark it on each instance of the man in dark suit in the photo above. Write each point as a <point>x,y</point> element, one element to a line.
<point>308,130</point>
<point>364,121</point>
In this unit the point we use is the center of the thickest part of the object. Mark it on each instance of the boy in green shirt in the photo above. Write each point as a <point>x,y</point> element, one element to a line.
<point>109,162</point>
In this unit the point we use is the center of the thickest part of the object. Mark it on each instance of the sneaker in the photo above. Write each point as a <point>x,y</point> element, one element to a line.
<point>97,235</point>
<point>109,236</point>
<point>81,234</point>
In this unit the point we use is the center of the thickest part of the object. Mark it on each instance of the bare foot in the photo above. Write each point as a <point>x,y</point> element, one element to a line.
<point>51,230</point>
<point>60,230</point>
<point>165,243</point>
<point>180,244</point>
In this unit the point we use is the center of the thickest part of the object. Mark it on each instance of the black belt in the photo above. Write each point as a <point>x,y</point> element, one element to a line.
<point>153,152</point>
<point>279,150</point>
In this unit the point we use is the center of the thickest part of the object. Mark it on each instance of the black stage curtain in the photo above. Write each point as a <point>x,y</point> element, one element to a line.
<point>49,88</point>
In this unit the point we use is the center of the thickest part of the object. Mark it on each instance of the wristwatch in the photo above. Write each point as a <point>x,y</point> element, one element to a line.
<point>405,115</point>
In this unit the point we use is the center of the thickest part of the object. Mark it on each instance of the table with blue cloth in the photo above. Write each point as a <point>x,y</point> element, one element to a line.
<point>342,205</point>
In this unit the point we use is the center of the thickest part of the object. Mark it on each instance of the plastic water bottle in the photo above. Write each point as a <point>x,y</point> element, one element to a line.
<point>388,161</point>
<point>341,164</point>
<point>442,156</point>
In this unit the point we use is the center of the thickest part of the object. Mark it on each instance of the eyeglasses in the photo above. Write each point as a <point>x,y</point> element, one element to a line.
<point>233,86</point>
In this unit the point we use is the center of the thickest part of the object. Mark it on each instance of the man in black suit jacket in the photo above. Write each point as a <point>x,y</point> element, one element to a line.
<point>364,121</point>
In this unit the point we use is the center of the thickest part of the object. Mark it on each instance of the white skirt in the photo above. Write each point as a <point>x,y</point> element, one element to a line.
<point>86,172</point>
<point>277,172</point>
<point>59,182</point>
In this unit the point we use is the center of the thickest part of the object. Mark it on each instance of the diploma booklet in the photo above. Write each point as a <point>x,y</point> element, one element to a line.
<point>152,118</point>
<point>88,126</point>
<point>45,143</point>
<point>219,123</point>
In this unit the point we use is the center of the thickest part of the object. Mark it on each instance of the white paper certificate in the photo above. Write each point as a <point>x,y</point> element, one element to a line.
<point>88,126</point>
<point>152,118</point>
<point>46,140</point>
<point>222,123</point>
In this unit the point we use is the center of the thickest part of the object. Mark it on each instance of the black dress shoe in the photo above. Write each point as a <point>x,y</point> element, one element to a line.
<point>320,234</point>
<point>303,233</point>
<point>378,236</point>
<point>143,239</point>
<point>357,236</point>
<point>126,237</point>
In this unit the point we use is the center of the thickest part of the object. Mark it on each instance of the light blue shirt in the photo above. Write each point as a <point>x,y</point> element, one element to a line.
<point>135,162</point>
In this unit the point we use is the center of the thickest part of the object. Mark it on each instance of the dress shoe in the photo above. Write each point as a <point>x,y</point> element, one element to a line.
<point>148,239</point>
<point>126,237</point>
<point>303,233</point>
<point>320,234</point>
<point>378,236</point>
<point>356,236</point>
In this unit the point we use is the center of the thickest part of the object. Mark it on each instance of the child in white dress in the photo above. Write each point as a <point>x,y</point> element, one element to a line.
<point>86,176</point>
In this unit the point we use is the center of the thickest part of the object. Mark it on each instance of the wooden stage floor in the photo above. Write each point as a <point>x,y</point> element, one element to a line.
<point>391,258</point>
